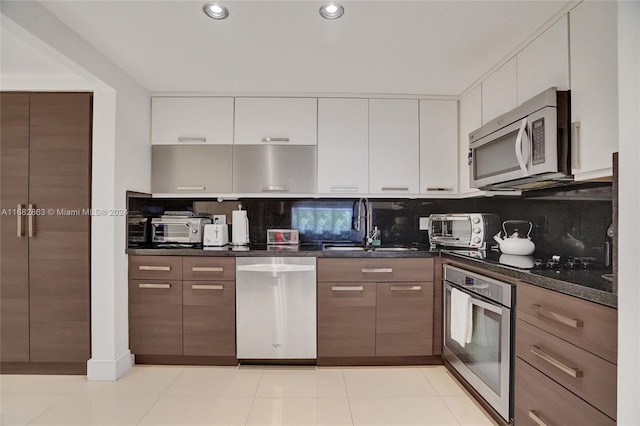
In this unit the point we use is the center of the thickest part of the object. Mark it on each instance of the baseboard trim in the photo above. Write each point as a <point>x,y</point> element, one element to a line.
<point>109,370</point>
<point>186,360</point>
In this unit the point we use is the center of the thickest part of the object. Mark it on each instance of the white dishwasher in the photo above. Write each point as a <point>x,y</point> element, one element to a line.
<point>276,308</point>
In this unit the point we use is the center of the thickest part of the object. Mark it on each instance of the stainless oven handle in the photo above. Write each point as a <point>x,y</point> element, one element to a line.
<point>519,151</point>
<point>480,303</point>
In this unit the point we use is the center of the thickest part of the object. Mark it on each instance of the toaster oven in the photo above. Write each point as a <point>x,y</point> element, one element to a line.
<point>463,230</point>
<point>176,229</point>
<point>137,229</point>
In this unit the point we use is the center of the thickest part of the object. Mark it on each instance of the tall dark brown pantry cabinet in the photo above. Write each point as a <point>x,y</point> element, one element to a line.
<point>45,194</point>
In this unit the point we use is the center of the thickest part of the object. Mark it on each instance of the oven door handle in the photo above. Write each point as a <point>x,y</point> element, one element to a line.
<point>480,303</point>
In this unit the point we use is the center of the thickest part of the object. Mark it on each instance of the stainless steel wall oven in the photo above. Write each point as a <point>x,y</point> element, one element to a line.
<point>483,356</point>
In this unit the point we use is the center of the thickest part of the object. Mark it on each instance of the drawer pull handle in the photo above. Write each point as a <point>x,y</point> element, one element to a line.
<point>275,189</point>
<point>406,287</point>
<point>573,372</point>
<point>575,323</point>
<point>192,139</point>
<point>377,270</point>
<point>536,418</point>
<point>154,268</point>
<point>207,287</point>
<point>347,288</point>
<point>395,188</point>
<point>165,286</point>
<point>207,269</point>
<point>275,139</point>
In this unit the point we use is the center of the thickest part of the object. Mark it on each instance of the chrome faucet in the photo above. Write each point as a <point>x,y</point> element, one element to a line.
<point>363,204</point>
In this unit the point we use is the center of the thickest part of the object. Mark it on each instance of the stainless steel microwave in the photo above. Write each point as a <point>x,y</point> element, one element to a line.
<point>526,148</point>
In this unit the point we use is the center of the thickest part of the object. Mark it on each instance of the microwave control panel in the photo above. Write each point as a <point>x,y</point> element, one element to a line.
<point>537,141</point>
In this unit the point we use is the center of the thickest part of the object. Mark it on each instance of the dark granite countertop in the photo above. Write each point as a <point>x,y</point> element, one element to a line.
<point>585,284</point>
<point>315,250</point>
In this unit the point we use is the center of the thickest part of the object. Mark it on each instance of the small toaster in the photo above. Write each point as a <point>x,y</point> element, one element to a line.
<point>216,235</point>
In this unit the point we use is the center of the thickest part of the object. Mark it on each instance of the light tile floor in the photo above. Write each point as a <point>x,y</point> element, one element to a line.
<point>159,395</point>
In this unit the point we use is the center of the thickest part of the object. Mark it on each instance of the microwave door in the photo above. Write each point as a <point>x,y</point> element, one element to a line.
<point>494,156</point>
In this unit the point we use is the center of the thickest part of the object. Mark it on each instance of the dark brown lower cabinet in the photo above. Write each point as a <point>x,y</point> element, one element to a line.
<point>383,313</point>
<point>45,157</point>
<point>209,315</point>
<point>155,317</point>
<point>404,319</point>
<point>540,400</point>
<point>346,319</point>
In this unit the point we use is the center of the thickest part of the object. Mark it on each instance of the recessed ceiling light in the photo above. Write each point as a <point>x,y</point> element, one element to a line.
<point>331,11</point>
<point>215,11</point>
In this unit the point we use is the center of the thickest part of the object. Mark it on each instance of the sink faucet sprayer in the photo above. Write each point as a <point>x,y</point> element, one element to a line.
<point>369,237</point>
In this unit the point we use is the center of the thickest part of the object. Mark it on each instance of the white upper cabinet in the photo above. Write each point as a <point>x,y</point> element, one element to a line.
<point>500,91</point>
<point>438,147</point>
<point>470,120</point>
<point>545,62</point>
<point>281,121</point>
<point>394,147</point>
<point>190,121</point>
<point>343,146</point>
<point>594,88</point>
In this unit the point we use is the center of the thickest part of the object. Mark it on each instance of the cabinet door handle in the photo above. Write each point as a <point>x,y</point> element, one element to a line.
<point>343,189</point>
<point>347,288</point>
<point>533,415</point>
<point>576,128</point>
<point>207,269</point>
<point>154,268</point>
<point>207,287</point>
<point>275,189</point>
<point>32,220</point>
<point>191,188</point>
<point>377,270</point>
<point>573,372</point>
<point>154,285</point>
<point>192,139</point>
<point>19,220</point>
<point>575,323</point>
<point>440,189</point>
<point>395,188</point>
<point>275,139</point>
<point>406,287</point>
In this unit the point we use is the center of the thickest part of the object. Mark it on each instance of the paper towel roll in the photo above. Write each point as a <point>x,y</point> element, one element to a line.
<point>240,227</point>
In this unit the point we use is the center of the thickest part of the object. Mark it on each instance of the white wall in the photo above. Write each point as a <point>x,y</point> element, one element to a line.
<point>121,161</point>
<point>629,206</point>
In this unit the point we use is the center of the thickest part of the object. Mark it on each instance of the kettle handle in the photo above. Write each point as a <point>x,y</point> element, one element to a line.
<point>517,221</point>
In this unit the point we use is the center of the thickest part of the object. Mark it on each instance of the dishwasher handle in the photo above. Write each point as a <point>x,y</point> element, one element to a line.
<point>276,268</point>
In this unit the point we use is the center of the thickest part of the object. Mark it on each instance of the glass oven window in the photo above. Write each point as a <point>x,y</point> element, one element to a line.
<point>482,355</point>
<point>173,231</point>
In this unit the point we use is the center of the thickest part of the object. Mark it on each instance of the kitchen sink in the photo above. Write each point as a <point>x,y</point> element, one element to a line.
<point>361,248</point>
<point>343,248</point>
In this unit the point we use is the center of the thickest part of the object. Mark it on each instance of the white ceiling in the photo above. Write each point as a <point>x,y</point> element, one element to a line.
<point>392,47</point>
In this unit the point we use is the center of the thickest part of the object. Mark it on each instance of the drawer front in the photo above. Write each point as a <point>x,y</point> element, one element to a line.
<point>155,267</point>
<point>209,318</point>
<point>208,268</point>
<point>588,376</point>
<point>346,319</point>
<point>591,326</point>
<point>375,269</point>
<point>539,400</point>
<point>404,319</point>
